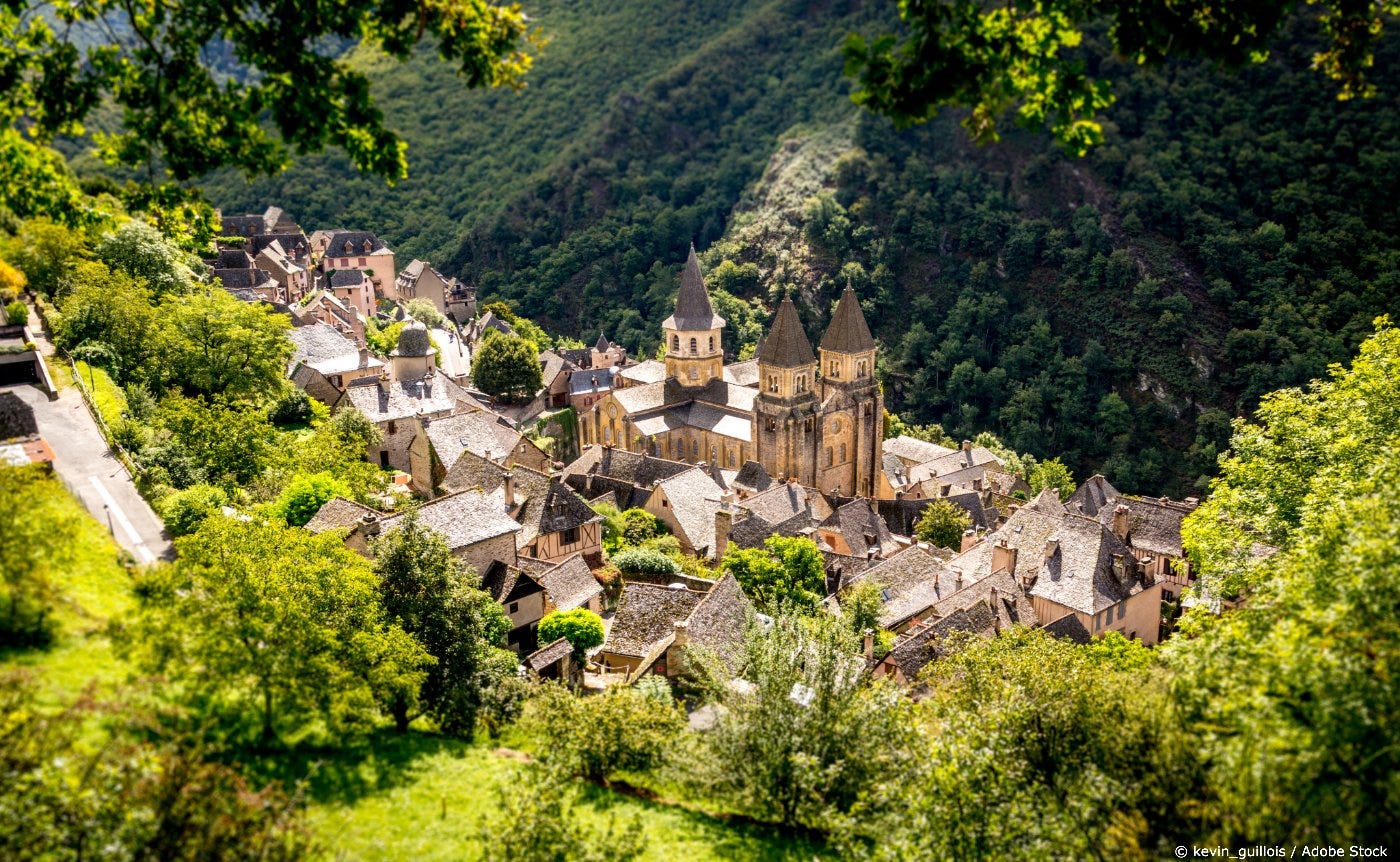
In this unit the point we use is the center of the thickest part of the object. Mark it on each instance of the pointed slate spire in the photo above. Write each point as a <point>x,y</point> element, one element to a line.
<point>848,332</point>
<point>693,309</point>
<point>786,344</point>
<point>603,344</point>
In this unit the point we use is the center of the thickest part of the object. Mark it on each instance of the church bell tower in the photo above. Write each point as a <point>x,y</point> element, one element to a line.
<point>785,412</point>
<point>694,355</point>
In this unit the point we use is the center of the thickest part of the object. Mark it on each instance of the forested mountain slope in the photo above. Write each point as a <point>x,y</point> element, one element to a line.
<point>1239,234</point>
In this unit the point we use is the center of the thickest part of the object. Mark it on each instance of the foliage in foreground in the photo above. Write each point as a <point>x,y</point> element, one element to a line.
<point>64,798</point>
<point>535,821</point>
<point>621,730</point>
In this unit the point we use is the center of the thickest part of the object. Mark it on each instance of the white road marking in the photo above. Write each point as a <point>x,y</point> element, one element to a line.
<point>141,550</point>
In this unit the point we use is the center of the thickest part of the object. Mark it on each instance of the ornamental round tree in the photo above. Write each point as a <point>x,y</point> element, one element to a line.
<point>582,628</point>
<point>507,367</point>
<point>942,524</point>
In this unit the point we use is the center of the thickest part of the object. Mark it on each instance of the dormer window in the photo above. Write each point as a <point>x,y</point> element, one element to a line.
<point>368,245</point>
<point>349,247</point>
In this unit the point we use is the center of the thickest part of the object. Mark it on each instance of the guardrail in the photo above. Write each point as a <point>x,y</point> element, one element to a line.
<point>129,463</point>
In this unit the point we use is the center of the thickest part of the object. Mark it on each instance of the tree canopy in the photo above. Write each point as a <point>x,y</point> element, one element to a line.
<point>507,367</point>
<point>1028,56</point>
<point>786,573</point>
<point>942,524</point>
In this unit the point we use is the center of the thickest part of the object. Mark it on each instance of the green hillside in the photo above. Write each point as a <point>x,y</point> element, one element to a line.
<point>1235,237</point>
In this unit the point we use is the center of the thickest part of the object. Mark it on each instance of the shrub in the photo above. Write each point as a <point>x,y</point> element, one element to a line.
<point>292,407</point>
<point>621,730</point>
<point>16,313</point>
<point>582,628</point>
<point>641,561</point>
<point>306,494</point>
<point>184,511</point>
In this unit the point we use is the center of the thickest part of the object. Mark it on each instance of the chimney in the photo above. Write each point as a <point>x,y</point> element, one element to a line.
<point>994,602</point>
<point>508,487</point>
<point>724,523</point>
<point>1052,545</point>
<point>943,489</point>
<point>977,484</point>
<point>1120,568</point>
<point>1120,521</point>
<point>1003,557</point>
<point>369,525</point>
<point>969,540</point>
<point>957,578</point>
<point>364,357</point>
<point>869,644</point>
<point>967,452</point>
<point>682,633</point>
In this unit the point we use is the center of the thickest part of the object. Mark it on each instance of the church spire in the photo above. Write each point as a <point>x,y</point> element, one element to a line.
<point>786,345</point>
<point>848,332</point>
<point>693,309</point>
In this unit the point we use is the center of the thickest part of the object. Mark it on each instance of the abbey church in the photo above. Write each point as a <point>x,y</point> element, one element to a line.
<point>816,419</point>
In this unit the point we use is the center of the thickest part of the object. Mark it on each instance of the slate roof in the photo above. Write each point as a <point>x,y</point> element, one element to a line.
<point>912,451</point>
<point>785,501</point>
<point>786,344</point>
<point>1069,628</point>
<point>719,622</point>
<point>650,371</point>
<point>464,518</point>
<point>1012,606</point>
<point>402,399</point>
<point>1079,574</point>
<point>233,258</point>
<point>742,373</point>
<point>241,225</point>
<point>546,505</point>
<point>319,343</point>
<point>235,280</point>
<point>914,580</point>
<point>338,513</point>
<point>16,417</point>
<point>551,366</point>
<point>507,583</point>
<point>641,399</point>
<point>861,528</point>
<point>570,584</point>
<point>1153,525</point>
<point>348,278</point>
<point>290,243</point>
<point>752,478</point>
<point>585,382</point>
<point>548,654</point>
<point>335,245</point>
<point>694,499</point>
<point>848,332</point>
<point>693,309</point>
<point>631,469</point>
<point>480,432</point>
<point>473,471</point>
<point>952,467</point>
<point>647,615</point>
<point>1093,495</point>
<point>916,648</point>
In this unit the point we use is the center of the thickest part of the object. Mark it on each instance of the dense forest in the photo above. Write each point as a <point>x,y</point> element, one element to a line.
<point>1232,236</point>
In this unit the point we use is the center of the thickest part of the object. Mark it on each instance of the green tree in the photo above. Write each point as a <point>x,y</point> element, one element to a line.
<point>72,792</point>
<point>423,311</point>
<point>49,253</point>
<point>987,59</point>
<point>810,733</point>
<point>182,114</point>
<point>942,524</point>
<point>109,308</point>
<point>213,344</point>
<point>16,313</point>
<point>507,367</point>
<point>141,252</point>
<point>272,623</point>
<point>27,592</point>
<point>210,441</point>
<point>784,573</point>
<point>426,590</point>
<point>536,820</point>
<point>621,730</point>
<point>304,496</point>
<point>582,628</point>
<point>184,511</point>
<point>1051,474</point>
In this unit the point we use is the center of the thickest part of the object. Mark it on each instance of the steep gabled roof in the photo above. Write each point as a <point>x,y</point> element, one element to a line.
<point>719,621</point>
<point>848,332</point>
<point>570,584</point>
<point>1096,493</point>
<point>693,309</point>
<point>338,513</point>
<point>464,519</point>
<point>646,615</point>
<point>786,345</point>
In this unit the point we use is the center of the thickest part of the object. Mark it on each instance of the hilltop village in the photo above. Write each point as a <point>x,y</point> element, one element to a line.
<point>723,454</point>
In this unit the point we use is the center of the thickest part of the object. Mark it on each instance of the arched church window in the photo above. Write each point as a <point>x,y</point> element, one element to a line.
<point>712,344</point>
<point>843,453</point>
<point>692,346</point>
<point>828,456</point>
<point>860,368</point>
<point>731,457</point>
<point>695,448</point>
<point>676,343</point>
<point>772,424</point>
<point>834,369</point>
<point>772,383</point>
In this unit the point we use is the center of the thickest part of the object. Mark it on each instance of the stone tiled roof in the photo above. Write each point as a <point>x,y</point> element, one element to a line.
<point>951,467</point>
<point>1153,525</point>
<point>784,501</point>
<point>548,654</point>
<point>403,399</point>
<point>861,528</point>
<point>317,343</point>
<point>632,468</point>
<point>913,581</point>
<point>848,332</point>
<point>693,309</point>
<point>294,245</point>
<point>338,513</point>
<point>694,499</point>
<point>647,615</point>
<point>1012,606</point>
<point>742,373</point>
<point>719,622</point>
<point>348,278</point>
<point>640,399</point>
<point>597,380</point>
<point>1069,628</point>
<point>234,280</point>
<point>1093,495</point>
<point>464,519</point>
<point>233,258</point>
<point>786,344</point>
<point>480,432</point>
<point>552,365</point>
<point>913,650</point>
<point>570,584</point>
<point>473,471</point>
<point>507,583</point>
<point>335,246</point>
<point>545,505</point>
<point>912,451</point>
<point>752,478</point>
<point>1078,574</point>
<point>650,371</point>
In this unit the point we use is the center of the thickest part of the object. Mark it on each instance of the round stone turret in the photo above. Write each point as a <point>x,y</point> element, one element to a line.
<point>413,340</point>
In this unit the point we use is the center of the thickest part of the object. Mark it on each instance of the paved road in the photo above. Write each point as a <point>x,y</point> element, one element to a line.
<point>456,361</point>
<point>82,459</point>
